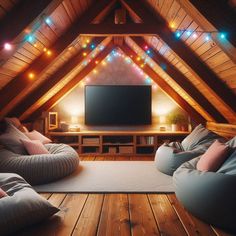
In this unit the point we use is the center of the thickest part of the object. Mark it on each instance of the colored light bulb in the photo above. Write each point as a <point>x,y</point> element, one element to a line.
<point>7,46</point>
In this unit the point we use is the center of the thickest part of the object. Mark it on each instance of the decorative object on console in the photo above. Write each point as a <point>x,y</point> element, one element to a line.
<point>52,120</point>
<point>162,120</point>
<point>178,121</point>
<point>74,126</point>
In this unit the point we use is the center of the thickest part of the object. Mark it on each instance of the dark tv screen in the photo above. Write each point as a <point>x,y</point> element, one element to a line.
<point>118,105</point>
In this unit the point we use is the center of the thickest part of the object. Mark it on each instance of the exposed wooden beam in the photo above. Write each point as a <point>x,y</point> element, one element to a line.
<point>183,82</point>
<point>226,130</point>
<point>17,89</point>
<point>207,76</point>
<point>128,29</point>
<point>25,14</point>
<point>210,17</point>
<point>74,82</point>
<point>220,14</point>
<point>55,78</point>
<point>165,86</point>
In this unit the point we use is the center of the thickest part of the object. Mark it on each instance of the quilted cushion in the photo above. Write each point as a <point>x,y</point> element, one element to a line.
<point>23,207</point>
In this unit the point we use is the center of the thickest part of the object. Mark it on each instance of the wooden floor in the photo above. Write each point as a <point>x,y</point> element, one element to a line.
<point>120,214</point>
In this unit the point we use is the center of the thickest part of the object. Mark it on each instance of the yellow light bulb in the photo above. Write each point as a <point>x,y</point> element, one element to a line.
<point>45,49</point>
<point>84,54</point>
<point>49,53</point>
<point>31,75</point>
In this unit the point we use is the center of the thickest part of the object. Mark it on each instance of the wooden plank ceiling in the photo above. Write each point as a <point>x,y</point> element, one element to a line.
<point>199,74</point>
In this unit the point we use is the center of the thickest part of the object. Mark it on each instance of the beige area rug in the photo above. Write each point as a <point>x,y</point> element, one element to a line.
<point>112,177</point>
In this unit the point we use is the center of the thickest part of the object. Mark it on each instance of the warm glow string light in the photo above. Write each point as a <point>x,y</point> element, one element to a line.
<point>196,33</point>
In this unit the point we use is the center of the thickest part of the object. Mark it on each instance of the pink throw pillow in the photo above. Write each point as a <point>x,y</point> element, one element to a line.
<point>35,135</point>
<point>214,157</point>
<point>3,193</point>
<point>34,147</point>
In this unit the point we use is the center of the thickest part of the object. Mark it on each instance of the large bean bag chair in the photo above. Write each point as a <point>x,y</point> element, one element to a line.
<point>170,156</point>
<point>210,196</point>
<point>20,205</point>
<point>40,169</point>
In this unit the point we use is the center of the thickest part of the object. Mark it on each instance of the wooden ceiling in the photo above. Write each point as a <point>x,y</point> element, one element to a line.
<point>199,75</point>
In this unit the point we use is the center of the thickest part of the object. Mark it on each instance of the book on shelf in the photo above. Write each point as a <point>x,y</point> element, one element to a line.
<point>149,140</point>
<point>112,150</point>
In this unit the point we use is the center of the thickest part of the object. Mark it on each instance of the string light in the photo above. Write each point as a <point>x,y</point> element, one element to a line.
<point>84,54</point>
<point>7,46</point>
<point>180,32</point>
<point>31,75</point>
<point>49,53</point>
<point>48,21</point>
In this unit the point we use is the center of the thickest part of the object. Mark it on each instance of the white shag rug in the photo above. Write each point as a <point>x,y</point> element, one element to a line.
<point>112,177</point>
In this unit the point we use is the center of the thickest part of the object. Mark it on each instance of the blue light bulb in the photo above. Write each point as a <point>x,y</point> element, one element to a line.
<point>148,51</point>
<point>48,21</point>
<point>92,46</point>
<point>188,33</point>
<point>177,34</point>
<point>207,38</point>
<point>30,38</point>
<point>222,35</point>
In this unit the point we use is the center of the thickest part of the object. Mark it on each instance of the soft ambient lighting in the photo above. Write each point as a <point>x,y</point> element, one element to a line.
<point>31,75</point>
<point>7,46</point>
<point>49,53</point>
<point>74,119</point>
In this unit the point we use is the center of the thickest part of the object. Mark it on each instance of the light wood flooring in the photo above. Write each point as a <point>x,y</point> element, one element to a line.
<point>120,214</point>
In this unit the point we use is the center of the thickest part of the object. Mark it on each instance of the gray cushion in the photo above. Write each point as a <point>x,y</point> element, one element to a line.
<point>11,140</point>
<point>209,196</point>
<point>200,136</point>
<point>39,169</point>
<point>232,142</point>
<point>169,158</point>
<point>23,206</point>
<point>229,166</point>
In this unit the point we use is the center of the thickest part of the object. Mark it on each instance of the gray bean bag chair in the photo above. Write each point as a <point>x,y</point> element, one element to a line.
<point>22,206</point>
<point>170,156</point>
<point>40,169</point>
<point>211,196</point>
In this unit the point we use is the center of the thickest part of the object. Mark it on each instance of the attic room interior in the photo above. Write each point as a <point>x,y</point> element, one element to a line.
<point>117,117</point>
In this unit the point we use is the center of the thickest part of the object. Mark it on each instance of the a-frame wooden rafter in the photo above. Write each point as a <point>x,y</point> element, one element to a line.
<point>165,86</point>
<point>183,82</point>
<point>47,85</point>
<point>18,88</point>
<point>72,84</point>
<point>204,73</point>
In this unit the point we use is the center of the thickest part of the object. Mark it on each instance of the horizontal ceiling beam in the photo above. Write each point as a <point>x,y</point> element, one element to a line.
<point>17,88</point>
<point>207,76</point>
<point>183,82</point>
<point>70,85</point>
<point>55,78</point>
<point>111,29</point>
<point>164,86</point>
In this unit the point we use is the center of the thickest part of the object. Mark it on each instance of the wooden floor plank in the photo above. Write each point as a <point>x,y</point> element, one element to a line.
<point>166,217</point>
<point>46,195</point>
<point>141,216</point>
<point>192,225</point>
<point>115,216</point>
<point>89,218</point>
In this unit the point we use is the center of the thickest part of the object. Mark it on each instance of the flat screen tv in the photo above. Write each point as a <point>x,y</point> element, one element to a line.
<point>118,105</point>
